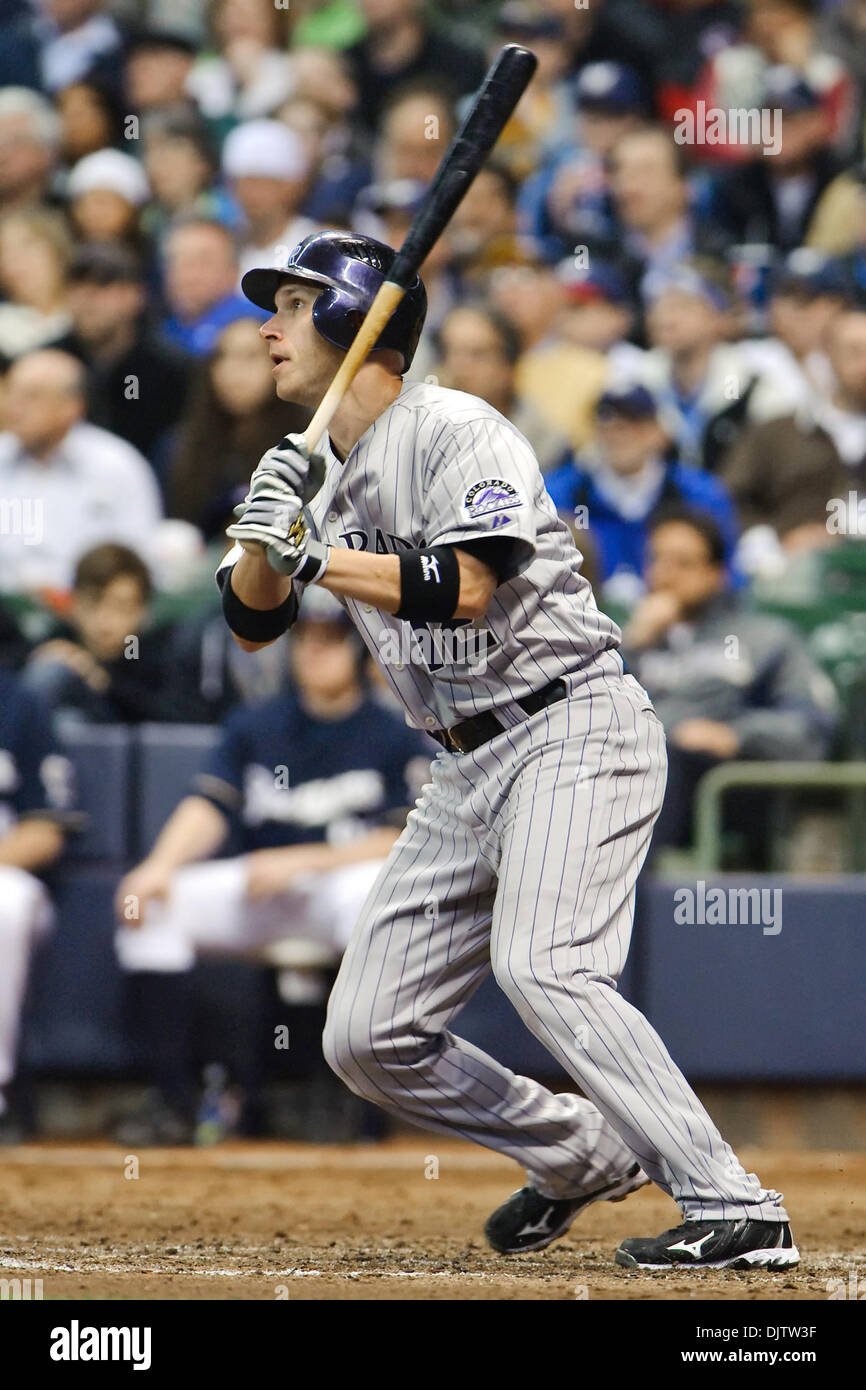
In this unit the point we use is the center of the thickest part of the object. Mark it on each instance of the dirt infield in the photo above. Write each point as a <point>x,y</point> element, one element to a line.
<point>270,1221</point>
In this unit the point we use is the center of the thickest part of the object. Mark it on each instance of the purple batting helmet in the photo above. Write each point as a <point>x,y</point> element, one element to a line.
<point>350,270</point>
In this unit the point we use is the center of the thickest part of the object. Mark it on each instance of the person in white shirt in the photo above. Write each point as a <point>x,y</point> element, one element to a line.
<point>268,171</point>
<point>65,485</point>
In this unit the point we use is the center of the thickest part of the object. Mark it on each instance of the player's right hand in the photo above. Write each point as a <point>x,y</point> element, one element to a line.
<point>288,470</point>
<point>148,880</point>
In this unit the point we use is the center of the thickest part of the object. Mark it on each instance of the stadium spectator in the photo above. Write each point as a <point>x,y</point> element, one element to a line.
<point>567,202</point>
<point>399,47</point>
<point>68,484</point>
<point>710,388</point>
<point>563,381</point>
<point>599,314</point>
<point>543,118</point>
<point>483,231</point>
<point>338,171</point>
<point>324,75</point>
<point>158,67</point>
<point>776,33</point>
<point>266,168</point>
<point>658,226</point>
<point>480,351</point>
<point>233,418</point>
<point>386,211</point>
<point>181,164</point>
<point>807,292</point>
<point>106,666</point>
<point>417,126</point>
<point>36,813</point>
<point>136,384</point>
<point>92,118</point>
<point>30,135</point>
<point>626,31</point>
<point>773,200</point>
<point>106,192</point>
<point>840,31</point>
<point>60,43</point>
<point>316,784</point>
<point>244,72</point>
<point>784,474</point>
<point>34,258</point>
<point>200,282</point>
<point>725,682</point>
<point>621,484</point>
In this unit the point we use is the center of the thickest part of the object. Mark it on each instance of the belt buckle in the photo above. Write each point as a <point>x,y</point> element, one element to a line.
<point>452,743</point>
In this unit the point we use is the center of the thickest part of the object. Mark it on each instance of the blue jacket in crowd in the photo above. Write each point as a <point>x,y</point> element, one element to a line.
<point>621,542</point>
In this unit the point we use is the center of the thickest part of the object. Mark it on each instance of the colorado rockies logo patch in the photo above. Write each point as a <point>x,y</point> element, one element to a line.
<point>490,495</point>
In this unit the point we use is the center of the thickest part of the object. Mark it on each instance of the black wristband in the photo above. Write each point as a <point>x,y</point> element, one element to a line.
<point>257,624</point>
<point>429,584</point>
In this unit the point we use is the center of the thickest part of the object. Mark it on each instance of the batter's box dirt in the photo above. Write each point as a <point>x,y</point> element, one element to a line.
<point>273,1221</point>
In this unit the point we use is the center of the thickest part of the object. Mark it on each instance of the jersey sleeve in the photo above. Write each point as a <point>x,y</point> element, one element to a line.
<point>221,779</point>
<point>484,485</point>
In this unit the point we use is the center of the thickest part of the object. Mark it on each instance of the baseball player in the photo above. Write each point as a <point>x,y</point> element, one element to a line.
<point>427,515</point>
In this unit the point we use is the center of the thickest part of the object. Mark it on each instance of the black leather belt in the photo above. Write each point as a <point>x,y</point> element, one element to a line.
<point>471,733</point>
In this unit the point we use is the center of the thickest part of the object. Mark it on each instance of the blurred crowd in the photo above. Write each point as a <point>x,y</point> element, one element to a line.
<point>659,277</point>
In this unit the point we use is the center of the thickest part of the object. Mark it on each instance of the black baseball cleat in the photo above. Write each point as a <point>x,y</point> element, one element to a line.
<point>713,1245</point>
<point>529,1221</point>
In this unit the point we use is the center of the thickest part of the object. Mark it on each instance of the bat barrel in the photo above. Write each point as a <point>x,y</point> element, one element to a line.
<point>503,87</point>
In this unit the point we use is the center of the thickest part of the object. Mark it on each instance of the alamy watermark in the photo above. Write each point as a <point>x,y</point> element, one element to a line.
<point>722,907</point>
<point>434,647</point>
<point>23,516</point>
<point>751,126</point>
<point>846,516</point>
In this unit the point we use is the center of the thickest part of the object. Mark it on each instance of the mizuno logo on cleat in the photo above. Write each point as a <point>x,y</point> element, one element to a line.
<point>541,1228</point>
<point>694,1248</point>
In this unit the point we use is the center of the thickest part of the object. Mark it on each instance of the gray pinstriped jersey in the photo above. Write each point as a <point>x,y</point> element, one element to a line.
<point>440,467</point>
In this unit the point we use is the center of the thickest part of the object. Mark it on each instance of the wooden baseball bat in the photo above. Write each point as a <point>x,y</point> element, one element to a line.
<point>500,92</point>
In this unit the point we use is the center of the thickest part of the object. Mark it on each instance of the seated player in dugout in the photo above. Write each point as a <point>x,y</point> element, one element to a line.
<point>36,815</point>
<point>315,784</point>
<point>427,508</point>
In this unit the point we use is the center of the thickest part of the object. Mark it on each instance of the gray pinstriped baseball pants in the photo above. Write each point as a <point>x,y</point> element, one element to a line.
<point>523,857</point>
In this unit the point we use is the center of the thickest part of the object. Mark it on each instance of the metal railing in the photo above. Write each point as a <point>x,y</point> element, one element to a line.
<point>848,778</point>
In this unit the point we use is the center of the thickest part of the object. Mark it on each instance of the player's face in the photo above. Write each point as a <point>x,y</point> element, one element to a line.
<point>679,564</point>
<point>304,364</point>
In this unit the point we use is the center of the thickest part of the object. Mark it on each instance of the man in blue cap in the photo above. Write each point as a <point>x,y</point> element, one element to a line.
<point>627,479</point>
<point>568,201</point>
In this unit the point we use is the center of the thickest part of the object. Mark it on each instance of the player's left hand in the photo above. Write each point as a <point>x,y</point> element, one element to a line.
<point>279,526</point>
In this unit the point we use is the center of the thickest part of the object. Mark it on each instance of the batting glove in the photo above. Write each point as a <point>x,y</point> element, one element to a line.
<point>288,470</point>
<point>265,518</point>
<point>280,527</point>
